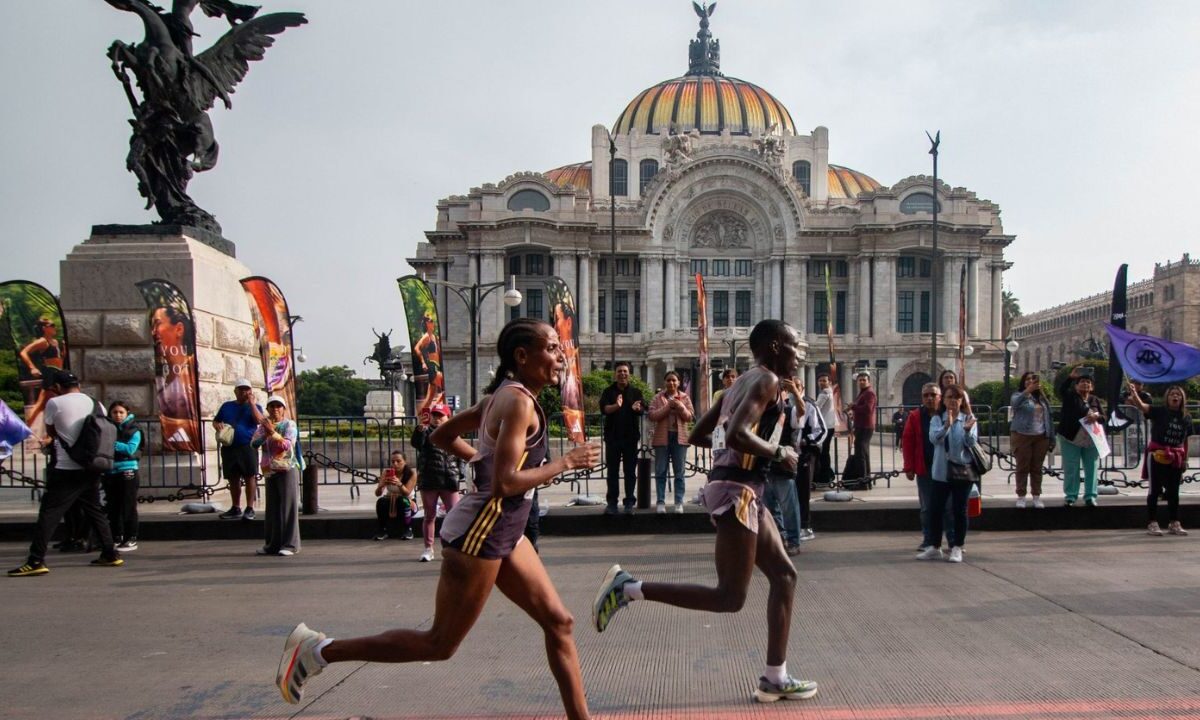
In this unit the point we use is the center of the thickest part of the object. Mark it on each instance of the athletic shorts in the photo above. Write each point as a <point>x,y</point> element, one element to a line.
<point>743,499</point>
<point>239,461</point>
<point>484,526</point>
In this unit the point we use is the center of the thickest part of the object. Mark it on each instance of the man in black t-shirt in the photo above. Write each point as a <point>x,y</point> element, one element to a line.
<point>622,405</point>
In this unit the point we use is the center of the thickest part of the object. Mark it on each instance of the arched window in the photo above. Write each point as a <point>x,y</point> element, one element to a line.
<point>529,200</point>
<point>647,169</point>
<point>918,202</point>
<point>802,171</point>
<point>620,178</point>
<point>1037,360</point>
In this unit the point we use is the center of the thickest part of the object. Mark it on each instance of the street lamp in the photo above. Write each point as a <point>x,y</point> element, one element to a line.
<point>392,370</point>
<point>472,296</point>
<point>1010,349</point>
<point>612,254</point>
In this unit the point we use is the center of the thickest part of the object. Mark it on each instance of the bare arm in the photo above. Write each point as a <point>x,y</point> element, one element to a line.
<point>36,345</point>
<point>762,393</point>
<point>518,419</point>
<point>448,435</point>
<point>1138,402</point>
<point>701,435</point>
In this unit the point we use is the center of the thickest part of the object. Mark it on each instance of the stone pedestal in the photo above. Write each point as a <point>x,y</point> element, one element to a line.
<point>109,337</point>
<point>384,405</point>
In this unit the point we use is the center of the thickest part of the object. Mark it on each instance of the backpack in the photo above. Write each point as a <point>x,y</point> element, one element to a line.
<point>96,444</point>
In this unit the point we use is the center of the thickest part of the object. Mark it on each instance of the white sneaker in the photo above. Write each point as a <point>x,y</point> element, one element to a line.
<point>660,508</point>
<point>1176,529</point>
<point>807,534</point>
<point>298,663</point>
<point>1021,503</point>
<point>955,555</point>
<point>427,556</point>
<point>678,508</point>
<point>1038,504</point>
<point>1154,529</point>
<point>930,553</point>
<point>287,553</point>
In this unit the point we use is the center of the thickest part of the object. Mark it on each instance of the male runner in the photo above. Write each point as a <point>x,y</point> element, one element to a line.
<point>743,428</point>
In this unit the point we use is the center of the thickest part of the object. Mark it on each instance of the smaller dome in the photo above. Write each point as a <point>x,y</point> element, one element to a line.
<point>577,174</point>
<point>845,183</point>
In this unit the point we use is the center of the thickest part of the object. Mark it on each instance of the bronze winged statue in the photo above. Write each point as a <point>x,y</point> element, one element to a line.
<point>172,134</point>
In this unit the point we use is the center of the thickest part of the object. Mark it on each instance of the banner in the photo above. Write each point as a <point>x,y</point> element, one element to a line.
<point>425,339</point>
<point>703,391</point>
<point>1095,432</point>
<point>273,331</point>
<point>562,316</point>
<point>12,431</point>
<point>840,425</point>
<point>1116,419</point>
<point>962,327</point>
<point>1153,360</point>
<point>176,381</point>
<point>39,340</point>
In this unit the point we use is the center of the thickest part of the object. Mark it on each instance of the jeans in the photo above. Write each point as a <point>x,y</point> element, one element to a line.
<point>780,498</point>
<point>63,489</point>
<point>1073,457</point>
<point>957,493</point>
<point>677,453</point>
<point>120,502</point>
<point>1164,480</point>
<point>621,453</point>
<point>925,493</point>
<point>804,486</point>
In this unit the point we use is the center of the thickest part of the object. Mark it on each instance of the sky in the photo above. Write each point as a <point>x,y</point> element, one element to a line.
<point>1078,118</point>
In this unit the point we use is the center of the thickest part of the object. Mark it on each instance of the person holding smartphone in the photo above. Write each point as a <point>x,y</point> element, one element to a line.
<point>1079,454</point>
<point>1032,436</point>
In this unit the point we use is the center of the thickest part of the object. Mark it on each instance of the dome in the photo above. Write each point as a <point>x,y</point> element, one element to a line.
<point>708,103</point>
<point>847,183</point>
<point>577,174</point>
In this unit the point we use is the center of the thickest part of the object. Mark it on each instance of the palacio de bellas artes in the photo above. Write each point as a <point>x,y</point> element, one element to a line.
<point>710,174</point>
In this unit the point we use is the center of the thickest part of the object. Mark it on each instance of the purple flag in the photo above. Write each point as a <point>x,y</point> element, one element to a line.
<point>1153,360</point>
<point>12,431</point>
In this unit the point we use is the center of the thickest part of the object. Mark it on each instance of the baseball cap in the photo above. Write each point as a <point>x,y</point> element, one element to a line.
<point>275,399</point>
<point>55,376</point>
<point>242,383</point>
<point>440,409</point>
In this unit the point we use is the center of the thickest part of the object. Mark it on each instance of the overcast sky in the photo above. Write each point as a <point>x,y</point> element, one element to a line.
<point>1078,118</point>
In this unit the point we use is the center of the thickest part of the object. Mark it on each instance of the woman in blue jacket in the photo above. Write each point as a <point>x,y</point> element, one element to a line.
<point>121,483</point>
<point>951,433</point>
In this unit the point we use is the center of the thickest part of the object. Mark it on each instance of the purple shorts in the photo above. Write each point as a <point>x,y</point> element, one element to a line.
<point>743,499</point>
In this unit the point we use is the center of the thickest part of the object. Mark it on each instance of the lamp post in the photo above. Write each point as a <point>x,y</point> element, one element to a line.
<point>612,254</point>
<point>1010,348</point>
<point>392,370</point>
<point>733,344</point>
<point>933,290</point>
<point>472,296</point>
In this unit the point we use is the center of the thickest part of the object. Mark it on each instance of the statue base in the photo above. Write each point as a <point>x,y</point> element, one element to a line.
<point>383,405</point>
<point>108,333</point>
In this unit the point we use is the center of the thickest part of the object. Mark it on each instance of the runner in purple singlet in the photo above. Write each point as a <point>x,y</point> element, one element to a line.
<point>482,537</point>
<point>743,428</point>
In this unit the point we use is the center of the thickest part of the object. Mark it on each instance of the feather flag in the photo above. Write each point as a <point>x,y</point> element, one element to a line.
<point>703,392</point>
<point>273,331</point>
<point>562,316</point>
<point>962,326</point>
<point>425,339</point>
<point>38,333</point>
<point>176,379</point>
<point>1116,419</point>
<point>841,425</point>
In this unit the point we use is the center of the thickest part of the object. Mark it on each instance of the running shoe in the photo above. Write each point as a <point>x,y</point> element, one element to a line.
<point>286,553</point>
<point>233,513</point>
<point>114,561</point>
<point>660,508</point>
<point>298,663</point>
<point>427,556</point>
<point>610,598</point>
<point>381,535</point>
<point>249,514</point>
<point>678,508</point>
<point>955,555</point>
<point>807,534</point>
<point>930,553</point>
<point>793,550</point>
<point>1021,503</point>
<point>28,570</point>
<point>789,689</point>
<point>1176,529</point>
<point>128,546</point>
<point>408,534</point>
<point>1038,504</point>
<point>1154,529</point>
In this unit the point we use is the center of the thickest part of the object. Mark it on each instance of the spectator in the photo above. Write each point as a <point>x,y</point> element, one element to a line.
<point>812,432</point>
<point>622,405</point>
<point>727,378</point>
<point>898,419</point>
<point>67,481</point>
<point>1031,436</point>
<point>828,409</point>
<point>779,495</point>
<point>1166,454</point>
<point>863,411</point>
<point>1079,454</point>
<point>671,411</point>
<point>121,483</point>
<point>1137,389</point>
<point>438,474</point>
<point>281,466</point>
<point>951,433</point>
<point>394,508</point>
<point>945,379</point>
<point>239,458</point>
<point>917,451</point>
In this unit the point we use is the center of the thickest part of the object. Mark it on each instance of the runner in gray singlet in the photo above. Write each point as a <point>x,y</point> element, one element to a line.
<point>482,542</point>
<point>741,430</point>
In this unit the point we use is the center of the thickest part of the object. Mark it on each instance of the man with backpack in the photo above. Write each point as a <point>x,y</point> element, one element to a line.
<point>75,423</point>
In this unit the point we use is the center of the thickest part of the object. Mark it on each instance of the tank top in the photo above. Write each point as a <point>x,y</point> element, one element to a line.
<point>729,464</point>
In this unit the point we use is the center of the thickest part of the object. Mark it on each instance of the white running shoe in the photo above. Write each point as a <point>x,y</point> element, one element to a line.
<point>789,689</point>
<point>1176,529</point>
<point>930,553</point>
<point>660,508</point>
<point>427,556</point>
<point>299,663</point>
<point>955,555</point>
<point>678,508</point>
<point>1154,529</point>
<point>1038,504</point>
<point>1021,503</point>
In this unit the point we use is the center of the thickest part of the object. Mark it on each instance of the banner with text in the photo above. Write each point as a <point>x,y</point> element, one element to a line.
<point>176,380</point>
<point>563,317</point>
<point>32,321</point>
<point>425,339</point>
<point>273,332</point>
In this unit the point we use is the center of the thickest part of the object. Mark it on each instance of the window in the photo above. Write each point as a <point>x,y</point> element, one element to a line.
<point>743,268</point>
<point>904,311</point>
<point>533,303</point>
<point>647,169</point>
<point>918,202</point>
<point>601,313</point>
<point>694,309</point>
<point>841,269</point>
<point>621,312</point>
<point>622,266</point>
<point>839,323</point>
<point>1168,293</point>
<point>741,308</point>
<point>602,267</point>
<point>906,266</point>
<point>700,266</point>
<point>533,264</point>
<point>837,268</point>
<point>802,171</point>
<point>620,178</point>
<point>720,308</point>
<point>720,268</point>
<point>924,311</point>
<point>529,200</point>
<point>820,322</point>
<point>637,310</point>
<point>925,268</point>
<point>816,268</point>
<point>514,265</point>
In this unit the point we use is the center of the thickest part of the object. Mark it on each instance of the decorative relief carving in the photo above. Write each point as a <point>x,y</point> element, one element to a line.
<point>720,230</point>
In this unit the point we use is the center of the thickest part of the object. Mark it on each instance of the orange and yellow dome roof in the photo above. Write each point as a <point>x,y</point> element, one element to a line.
<point>708,103</point>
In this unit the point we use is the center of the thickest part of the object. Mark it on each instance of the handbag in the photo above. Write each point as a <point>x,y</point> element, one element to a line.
<point>225,435</point>
<point>981,462</point>
<point>957,472</point>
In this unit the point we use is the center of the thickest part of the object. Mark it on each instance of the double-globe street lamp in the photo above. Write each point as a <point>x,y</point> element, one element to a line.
<point>1010,349</point>
<point>472,296</point>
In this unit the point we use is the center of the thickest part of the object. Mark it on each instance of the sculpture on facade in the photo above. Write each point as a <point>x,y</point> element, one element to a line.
<point>720,231</point>
<point>678,147</point>
<point>172,133</point>
<point>771,146</point>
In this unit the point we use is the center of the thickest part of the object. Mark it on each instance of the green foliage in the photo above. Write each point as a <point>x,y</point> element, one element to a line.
<point>551,400</point>
<point>331,391</point>
<point>10,392</point>
<point>992,393</point>
<point>594,383</point>
<point>1099,382</point>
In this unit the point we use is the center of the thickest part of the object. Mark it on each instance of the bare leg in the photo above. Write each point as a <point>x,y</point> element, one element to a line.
<point>773,560</point>
<point>523,580</point>
<point>251,490</point>
<point>462,591</point>
<point>735,551</point>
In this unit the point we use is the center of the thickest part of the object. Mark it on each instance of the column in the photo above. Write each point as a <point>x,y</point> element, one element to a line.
<point>652,294</point>
<point>564,267</point>
<point>760,309</point>
<point>864,296</point>
<point>584,297</point>
<point>493,314</point>
<point>973,298</point>
<point>950,272</point>
<point>671,320</point>
<point>776,268</point>
<point>853,299</point>
<point>997,301</point>
<point>885,297</point>
<point>687,283</point>
<point>473,263</point>
<point>795,285</point>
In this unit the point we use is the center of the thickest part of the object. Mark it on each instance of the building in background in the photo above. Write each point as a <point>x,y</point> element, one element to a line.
<point>711,176</point>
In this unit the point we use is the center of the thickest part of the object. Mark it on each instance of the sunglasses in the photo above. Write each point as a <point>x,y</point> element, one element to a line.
<point>929,394</point>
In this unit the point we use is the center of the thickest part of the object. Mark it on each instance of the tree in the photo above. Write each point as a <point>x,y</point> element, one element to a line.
<point>331,391</point>
<point>10,391</point>
<point>1010,311</point>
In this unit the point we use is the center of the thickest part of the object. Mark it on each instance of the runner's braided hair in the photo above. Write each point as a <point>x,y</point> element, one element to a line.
<point>519,333</point>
